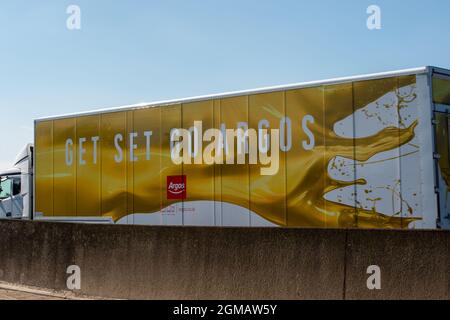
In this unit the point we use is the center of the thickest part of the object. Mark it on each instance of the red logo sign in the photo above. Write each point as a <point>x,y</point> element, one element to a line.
<point>176,187</point>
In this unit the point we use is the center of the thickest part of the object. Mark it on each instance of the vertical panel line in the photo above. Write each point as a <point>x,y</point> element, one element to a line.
<point>214,167</point>
<point>248,165</point>
<point>182,163</point>
<point>399,121</point>
<point>325,165</point>
<point>100,157</point>
<point>76,160</point>
<point>53,168</point>
<point>355,195</point>
<point>285,166</point>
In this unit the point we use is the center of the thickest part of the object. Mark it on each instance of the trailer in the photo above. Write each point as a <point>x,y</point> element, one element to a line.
<point>368,151</point>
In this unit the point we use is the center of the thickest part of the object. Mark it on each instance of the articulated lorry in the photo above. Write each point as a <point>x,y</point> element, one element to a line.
<point>360,152</point>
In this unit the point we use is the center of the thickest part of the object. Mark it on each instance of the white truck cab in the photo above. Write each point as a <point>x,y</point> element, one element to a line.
<point>16,187</point>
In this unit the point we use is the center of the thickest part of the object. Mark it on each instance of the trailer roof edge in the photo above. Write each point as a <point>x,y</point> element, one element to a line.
<point>244,92</point>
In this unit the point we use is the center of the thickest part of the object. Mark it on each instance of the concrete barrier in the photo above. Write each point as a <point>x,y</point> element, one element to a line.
<point>225,263</point>
<point>414,264</point>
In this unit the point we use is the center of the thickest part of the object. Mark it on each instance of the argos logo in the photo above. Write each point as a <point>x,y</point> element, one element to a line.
<point>176,187</point>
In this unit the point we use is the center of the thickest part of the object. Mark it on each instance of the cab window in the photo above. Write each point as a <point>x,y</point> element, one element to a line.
<point>5,188</point>
<point>16,186</point>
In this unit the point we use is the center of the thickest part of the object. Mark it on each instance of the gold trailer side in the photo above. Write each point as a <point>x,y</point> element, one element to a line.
<point>342,150</point>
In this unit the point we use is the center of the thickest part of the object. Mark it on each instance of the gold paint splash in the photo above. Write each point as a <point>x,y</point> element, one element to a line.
<point>306,202</point>
<point>331,214</point>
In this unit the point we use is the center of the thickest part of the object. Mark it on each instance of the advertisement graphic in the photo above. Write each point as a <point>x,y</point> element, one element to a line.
<point>348,157</point>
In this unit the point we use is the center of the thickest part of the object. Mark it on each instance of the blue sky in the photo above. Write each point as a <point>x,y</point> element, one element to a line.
<point>135,51</point>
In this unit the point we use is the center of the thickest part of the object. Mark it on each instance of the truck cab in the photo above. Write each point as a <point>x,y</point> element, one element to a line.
<point>16,187</point>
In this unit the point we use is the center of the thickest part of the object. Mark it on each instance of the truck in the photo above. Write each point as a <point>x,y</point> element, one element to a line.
<point>368,151</point>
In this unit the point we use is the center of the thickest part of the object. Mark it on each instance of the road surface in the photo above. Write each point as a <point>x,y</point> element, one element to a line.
<point>6,294</point>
